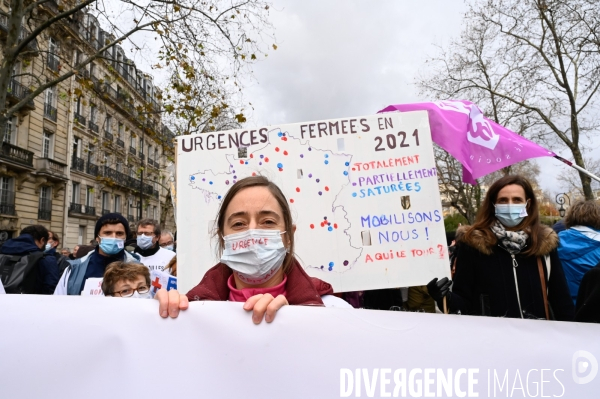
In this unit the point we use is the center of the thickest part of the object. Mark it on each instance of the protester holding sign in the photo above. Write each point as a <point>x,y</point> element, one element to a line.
<point>111,231</point>
<point>258,267</point>
<point>507,264</point>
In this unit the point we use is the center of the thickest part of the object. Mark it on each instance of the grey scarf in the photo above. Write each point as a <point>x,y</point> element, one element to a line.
<point>512,241</point>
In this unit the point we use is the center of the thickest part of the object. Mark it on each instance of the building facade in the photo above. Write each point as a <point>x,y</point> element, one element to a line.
<point>90,145</point>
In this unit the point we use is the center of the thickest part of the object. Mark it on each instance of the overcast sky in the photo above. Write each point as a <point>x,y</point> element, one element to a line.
<point>339,58</point>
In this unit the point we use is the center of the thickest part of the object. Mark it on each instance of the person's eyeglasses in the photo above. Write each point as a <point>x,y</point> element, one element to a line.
<point>147,234</point>
<point>166,243</point>
<point>129,291</point>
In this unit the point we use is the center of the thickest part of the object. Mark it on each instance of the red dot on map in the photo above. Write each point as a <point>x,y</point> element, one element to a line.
<point>251,155</point>
<point>253,173</point>
<point>241,162</point>
<point>266,159</point>
<point>335,225</point>
<point>285,153</point>
<point>292,200</point>
<point>353,169</point>
<point>284,138</point>
<point>326,188</point>
<point>277,149</point>
<point>281,169</point>
<point>312,226</point>
<point>297,189</point>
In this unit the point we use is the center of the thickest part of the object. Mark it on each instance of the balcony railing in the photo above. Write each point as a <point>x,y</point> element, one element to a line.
<point>18,91</point>
<point>92,169</point>
<point>51,166</point>
<point>120,143</point>
<point>45,209</point>
<point>78,164</point>
<point>93,127</point>
<point>50,112</point>
<point>16,154</point>
<point>132,150</point>
<point>105,211</point>
<point>83,209</point>
<point>32,45</point>
<point>52,62</point>
<point>131,219</point>
<point>142,156</point>
<point>7,202</point>
<point>155,193</point>
<point>108,135</point>
<point>79,119</point>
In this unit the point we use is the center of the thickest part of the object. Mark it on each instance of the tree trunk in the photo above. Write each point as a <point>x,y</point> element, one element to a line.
<point>586,181</point>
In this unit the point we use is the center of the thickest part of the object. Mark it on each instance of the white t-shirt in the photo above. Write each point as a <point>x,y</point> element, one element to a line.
<point>158,261</point>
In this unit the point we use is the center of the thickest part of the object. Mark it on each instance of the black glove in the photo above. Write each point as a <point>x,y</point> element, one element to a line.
<point>438,289</point>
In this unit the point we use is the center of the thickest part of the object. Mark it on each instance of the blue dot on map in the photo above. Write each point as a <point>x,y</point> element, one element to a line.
<point>246,163</point>
<point>354,194</point>
<point>235,177</point>
<point>261,156</point>
<point>280,134</point>
<point>280,165</point>
<point>345,173</point>
<point>192,178</point>
<point>331,264</point>
<point>326,155</point>
<point>209,182</point>
<point>219,197</point>
<point>347,164</point>
<point>326,162</point>
<point>330,228</point>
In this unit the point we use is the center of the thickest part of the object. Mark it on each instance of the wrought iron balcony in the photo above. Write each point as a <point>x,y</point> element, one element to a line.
<point>16,92</point>
<point>120,143</point>
<point>79,119</point>
<point>108,135</point>
<point>142,156</point>
<point>50,112</point>
<point>92,169</point>
<point>93,127</point>
<point>132,150</point>
<point>105,211</point>
<point>82,209</point>
<point>156,194</point>
<point>32,45</point>
<point>16,154</point>
<point>7,202</point>
<point>78,164</point>
<point>45,209</point>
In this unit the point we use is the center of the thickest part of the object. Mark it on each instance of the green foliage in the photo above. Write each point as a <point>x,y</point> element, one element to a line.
<point>451,222</point>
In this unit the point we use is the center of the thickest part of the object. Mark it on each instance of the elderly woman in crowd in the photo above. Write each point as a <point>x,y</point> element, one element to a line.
<point>126,280</point>
<point>507,264</point>
<point>258,266</point>
<point>579,247</point>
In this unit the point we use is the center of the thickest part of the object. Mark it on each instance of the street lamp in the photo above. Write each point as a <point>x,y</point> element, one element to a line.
<point>560,200</point>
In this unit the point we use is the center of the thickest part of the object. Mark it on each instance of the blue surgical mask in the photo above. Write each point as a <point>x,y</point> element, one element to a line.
<point>111,246</point>
<point>510,215</point>
<point>144,242</point>
<point>47,247</point>
<point>169,247</point>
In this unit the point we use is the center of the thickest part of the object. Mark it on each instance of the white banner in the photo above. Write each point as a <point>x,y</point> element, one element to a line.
<point>82,347</point>
<point>363,193</point>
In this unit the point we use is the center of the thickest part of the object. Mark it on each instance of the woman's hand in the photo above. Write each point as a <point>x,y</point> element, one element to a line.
<point>261,303</point>
<point>171,302</point>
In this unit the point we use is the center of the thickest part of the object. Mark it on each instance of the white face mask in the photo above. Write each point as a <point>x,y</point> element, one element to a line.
<point>140,296</point>
<point>144,242</point>
<point>256,255</point>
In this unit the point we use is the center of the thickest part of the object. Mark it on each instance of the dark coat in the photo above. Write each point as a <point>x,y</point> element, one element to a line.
<point>484,282</point>
<point>300,288</point>
<point>588,298</point>
<point>47,270</point>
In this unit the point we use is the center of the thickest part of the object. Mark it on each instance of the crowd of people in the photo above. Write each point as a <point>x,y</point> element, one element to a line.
<point>507,264</point>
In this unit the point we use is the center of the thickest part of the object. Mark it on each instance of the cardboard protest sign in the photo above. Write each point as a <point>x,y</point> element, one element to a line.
<point>363,192</point>
<point>93,287</point>
<point>65,343</point>
<point>160,280</point>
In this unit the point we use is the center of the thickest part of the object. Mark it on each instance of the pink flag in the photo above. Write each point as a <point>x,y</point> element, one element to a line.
<point>479,144</point>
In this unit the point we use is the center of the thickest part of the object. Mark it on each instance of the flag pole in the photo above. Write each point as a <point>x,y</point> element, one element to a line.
<point>579,168</point>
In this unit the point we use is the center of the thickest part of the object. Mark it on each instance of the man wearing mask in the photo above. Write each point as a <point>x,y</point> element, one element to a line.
<point>110,232</point>
<point>150,252</point>
<point>35,239</point>
<point>167,241</point>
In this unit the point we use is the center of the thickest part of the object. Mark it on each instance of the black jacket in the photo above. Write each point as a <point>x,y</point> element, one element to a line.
<point>484,282</point>
<point>588,297</point>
